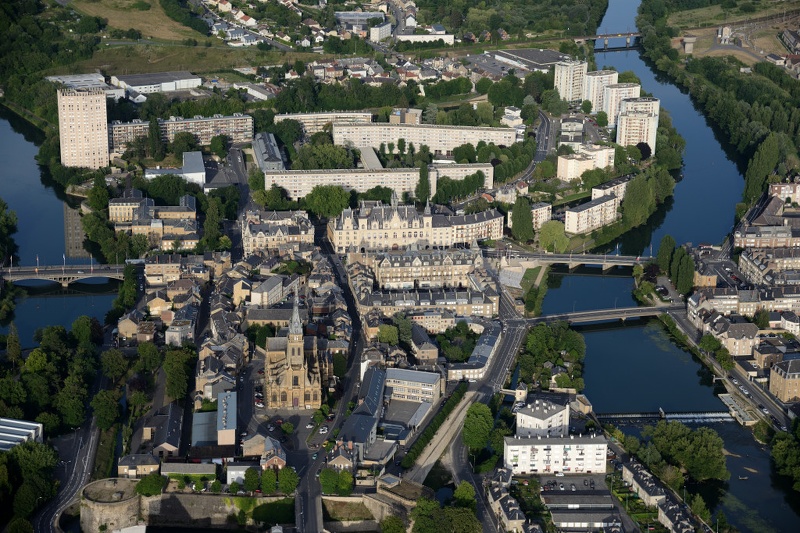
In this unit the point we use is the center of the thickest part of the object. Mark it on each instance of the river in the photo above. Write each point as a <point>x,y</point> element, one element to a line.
<point>635,367</point>
<point>43,213</point>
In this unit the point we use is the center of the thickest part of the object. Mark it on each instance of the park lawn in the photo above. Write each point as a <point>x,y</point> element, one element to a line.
<point>104,458</point>
<point>345,511</point>
<point>274,513</point>
<point>153,23</point>
<point>714,15</point>
<point>144,58</point>
<point>529,278</point>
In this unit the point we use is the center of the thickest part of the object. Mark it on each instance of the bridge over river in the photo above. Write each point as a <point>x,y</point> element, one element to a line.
<point>63,274</point>
<point>606,261</point>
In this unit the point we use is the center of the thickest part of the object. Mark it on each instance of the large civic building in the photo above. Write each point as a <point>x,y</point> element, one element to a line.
<point>83,128</point>
<point>376,227</point>
<point>440,139</point>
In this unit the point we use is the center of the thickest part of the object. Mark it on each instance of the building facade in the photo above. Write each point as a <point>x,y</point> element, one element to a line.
<point>595,87</point>
<point>314,122</point>
<point>784,380</point>
<point>613,96</point>
<point>440,139</point>
<point>541,212</point>
<point>570,78</point>
<point>592,215</point>
<point>270,230</point>
<point>568,455</point>
<point>238,128</point>
<point>414,385</point>
<point>638,122</point>
<point>543,418</point>
<point>409,269</point>
<point>83,128</point>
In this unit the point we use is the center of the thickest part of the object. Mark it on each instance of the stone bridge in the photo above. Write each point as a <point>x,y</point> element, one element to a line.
<point>63,274</point>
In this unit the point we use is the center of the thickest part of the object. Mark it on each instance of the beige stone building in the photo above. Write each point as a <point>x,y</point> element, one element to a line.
<point>586,157</point>
<point>238,127</point>
<point>784,380</point>
<point>440,139</point>
<point>617,187</point>
<point>292,370</point>
<point>414,385</point>
<point>270,230</point>
<point>374,227</point>
<point>83,128</point>
<point>409,269</point>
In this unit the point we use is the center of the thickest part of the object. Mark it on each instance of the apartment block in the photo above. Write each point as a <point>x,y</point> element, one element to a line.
<point>614,94</point>
<point>543,418</point>
<point>767,237</point>
<point>595,87</point>
<point>238,127</point>
<point>784,380</point>
<point>540,213</point>
<point>410,269</point>
<point>440,139</point>
<point>587,157</point>
<point>617,187</point>
<point>638,122</point>
<point>83,128</point>
<point>314,122</point>
<point>570,78</point>
<point>543,455</point>
<point>270,230</point>
<point>592,215</point>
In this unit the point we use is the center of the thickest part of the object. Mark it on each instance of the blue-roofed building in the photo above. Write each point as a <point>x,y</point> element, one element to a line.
<point>226,418</point>
<point>360,428</point>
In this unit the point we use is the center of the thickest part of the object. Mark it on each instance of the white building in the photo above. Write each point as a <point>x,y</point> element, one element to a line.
<point>595,87</point>
<point>380,32</point>
<point>193,170</point>
<point>14,432</point>
<point>587,157</point>
<point>543,455</point>
<point>314,122</point>
<point>570,77</point>
<point>157,82</point>
<point>543,418</point>
<point>638,122</point>
<point>83,128</point>
<point>540,213</point>
<point>591,215</point>
<point>613,96</point>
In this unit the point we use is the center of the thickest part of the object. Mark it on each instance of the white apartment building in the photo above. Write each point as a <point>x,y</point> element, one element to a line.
<point>540,213</point>
<point>238,127</point>
<point>543,455</point>
<point>587,157</point>
<point>638,122</point>
<point>83,128</point>
<point>617,187</point>
<point>595,86</point>
<point>591,215</point>
<point>314,122</point>
<point>157,82</point>
<point>613,96</point>
<point>440,139</point>
<point>570,77</point>
<point>543,418</point>
<point>380,32</point>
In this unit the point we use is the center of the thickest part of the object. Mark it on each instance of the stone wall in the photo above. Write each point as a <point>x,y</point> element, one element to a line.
<point>344,527</point>
<point>199,510</point>
<point>109,502</point>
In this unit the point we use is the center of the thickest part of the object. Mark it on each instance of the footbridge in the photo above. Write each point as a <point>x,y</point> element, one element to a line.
<point>606,261</point>
<point>696,416</point>
<point>63,274</point>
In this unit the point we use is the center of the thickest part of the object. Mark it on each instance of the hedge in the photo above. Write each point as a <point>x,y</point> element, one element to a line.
<point>427,435</point>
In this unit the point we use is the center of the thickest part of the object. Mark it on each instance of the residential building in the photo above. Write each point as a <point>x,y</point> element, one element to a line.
<point>424,350</point>
<point>570,79</point>
<point>292,368</point>
<point>595,86</point>
<point>543,418</point>
<point>440,139</point>
<point>592,215</point>
<point>614,94</point>
<point>272,230</point>
<point>137,465</point>
<point>14,432</point>
<point>164,430</point>
<point>571,133</point>
<point>234,471</point>
<point>406,116</point>
<point>643,483</point>
<point>616,186</point>
<point>83,128</point>
<point>126,207</point>
<point>475,367</point>
<point>447,39</point>
<point>543,455</point>
<point>359,431</point>
<point>380,32</point>
<point>410,269</point>
<point>675,517</point>
<point>374,227</point>
<point>788,191</point>
<point>267,153</point>
<point>274,455</point>
<point>237,127</point>
<point>315,122</point>
<point>778,236</point>
<point>541,212</point>
<point>157,82</point>
<point>637,122</point>
<point>413,385</point>
<point>193,169</point>
<point>784,380</point>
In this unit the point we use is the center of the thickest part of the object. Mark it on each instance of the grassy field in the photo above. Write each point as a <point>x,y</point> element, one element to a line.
<point>153,23</point>
<point>715,15</point>
<point>141,58</point>
<point>104,458</point>
<point>278,512</point>
<point>529,278</point>
<point>345,511</point>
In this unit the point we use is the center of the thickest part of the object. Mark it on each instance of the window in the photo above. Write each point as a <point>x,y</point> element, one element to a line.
<point>295,381</point>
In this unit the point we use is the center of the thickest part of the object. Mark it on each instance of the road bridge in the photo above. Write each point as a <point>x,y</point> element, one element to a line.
<point>63,274</point>
<point>606,261</point>
<point>597,315</point>
<point>629,37</point>
<point>697,416</point>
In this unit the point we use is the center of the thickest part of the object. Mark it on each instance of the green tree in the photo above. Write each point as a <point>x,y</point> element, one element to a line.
<point>287,428</point>
<point>327,200</point>
<point>219,145</point>
<point>639,201</point>
<point>423,188</point>
<point>586,107</point>
<point>393,524</point>
<point>234,488</point>
<point>155,146</point>
<point>287,480</point>
<point>685,281</point>
<point>13,347</point>
<point>522,220</point>
<point>114,364</point>
<point>152,484</point>
<point>329,481</point>
<point>761,165</point>
<point>478,425</point>
<point>602,119</point>
<point>71,401</point>
<point>252,480</point>
<point>150,357</point>
<point>106,408</point>
<point>183,142</point>
<point>98,194</point>
<point>176,368</point>
<point>464,495</point>
<point>665,250</point>
<point>387,334</point>
<point>19,525</point>
<point>344,485</point>
<point>552,236</point>
<point>216,486</point>
<point>483,85</point>
<point>699,508</point>
<point>269,481</point>
<point>761,318</point>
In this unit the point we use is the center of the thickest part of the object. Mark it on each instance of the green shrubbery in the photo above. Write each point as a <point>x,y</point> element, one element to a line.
<point>426,436</point>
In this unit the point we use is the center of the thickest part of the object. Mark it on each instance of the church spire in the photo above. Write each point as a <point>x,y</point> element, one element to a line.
<point>296,326</point>
<point>395,200</point>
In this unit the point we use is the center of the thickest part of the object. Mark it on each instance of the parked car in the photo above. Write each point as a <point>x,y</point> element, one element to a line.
<point>309,425</point>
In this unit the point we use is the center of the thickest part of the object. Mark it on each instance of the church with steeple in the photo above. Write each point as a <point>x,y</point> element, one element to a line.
<point>292,370</point>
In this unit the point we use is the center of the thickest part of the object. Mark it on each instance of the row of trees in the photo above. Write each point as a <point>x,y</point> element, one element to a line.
<point>430,431</point>
<point>339,482</point>
<point>448,189</point>
<point>8,226</point>
<point>676,263</point>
